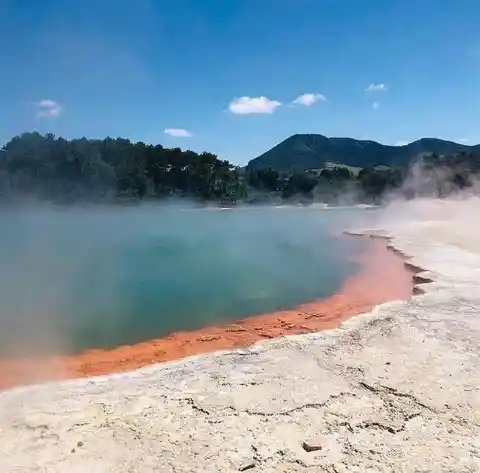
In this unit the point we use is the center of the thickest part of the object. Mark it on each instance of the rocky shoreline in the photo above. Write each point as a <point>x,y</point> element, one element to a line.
<point>392,390</point>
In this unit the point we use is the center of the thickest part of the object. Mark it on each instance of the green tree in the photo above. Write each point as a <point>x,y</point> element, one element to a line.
<point>51,168</point>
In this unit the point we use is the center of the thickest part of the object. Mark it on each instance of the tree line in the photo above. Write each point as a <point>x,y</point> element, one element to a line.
<point>429,175</point>
<point>51,168</point>
<point>46,167</point>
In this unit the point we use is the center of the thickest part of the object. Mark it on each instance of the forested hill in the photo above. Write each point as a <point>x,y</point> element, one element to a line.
<point>56,169</point>
<point>307,151</point>
<point>48,168</point>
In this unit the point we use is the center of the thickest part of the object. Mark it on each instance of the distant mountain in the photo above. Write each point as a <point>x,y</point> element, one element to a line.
<point>301,152</point>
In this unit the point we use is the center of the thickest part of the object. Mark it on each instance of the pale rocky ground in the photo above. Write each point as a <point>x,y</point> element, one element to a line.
<point>396,390</point>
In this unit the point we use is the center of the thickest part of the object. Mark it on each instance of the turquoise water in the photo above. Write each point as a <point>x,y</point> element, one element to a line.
<point>97,278</point>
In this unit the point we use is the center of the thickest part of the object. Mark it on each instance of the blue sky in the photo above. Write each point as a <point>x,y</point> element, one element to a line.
<point>225,74</point>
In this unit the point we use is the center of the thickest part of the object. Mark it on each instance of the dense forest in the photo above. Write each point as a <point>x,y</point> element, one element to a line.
<point>48,168</point>
<point>51,168</point>
<point>432,175</point>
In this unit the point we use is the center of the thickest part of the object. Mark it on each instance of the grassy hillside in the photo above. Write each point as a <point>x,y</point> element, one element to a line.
<point>308,151</point>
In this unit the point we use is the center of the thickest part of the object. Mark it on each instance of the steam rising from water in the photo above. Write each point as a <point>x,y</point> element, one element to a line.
<point>74,278</point>
<point>64,284</point>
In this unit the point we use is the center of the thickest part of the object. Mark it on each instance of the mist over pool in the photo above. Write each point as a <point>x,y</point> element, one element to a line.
<point>73,279</point>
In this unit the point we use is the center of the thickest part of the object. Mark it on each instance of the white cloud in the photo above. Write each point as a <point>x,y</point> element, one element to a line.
<point>48,108</point>
<point>464,141</point>
<point>178,132</point>
<point>402,143</point>
<point>376,88</point>
<point>375,105</point>
<point>249,105</point>
<point>309,99</point>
